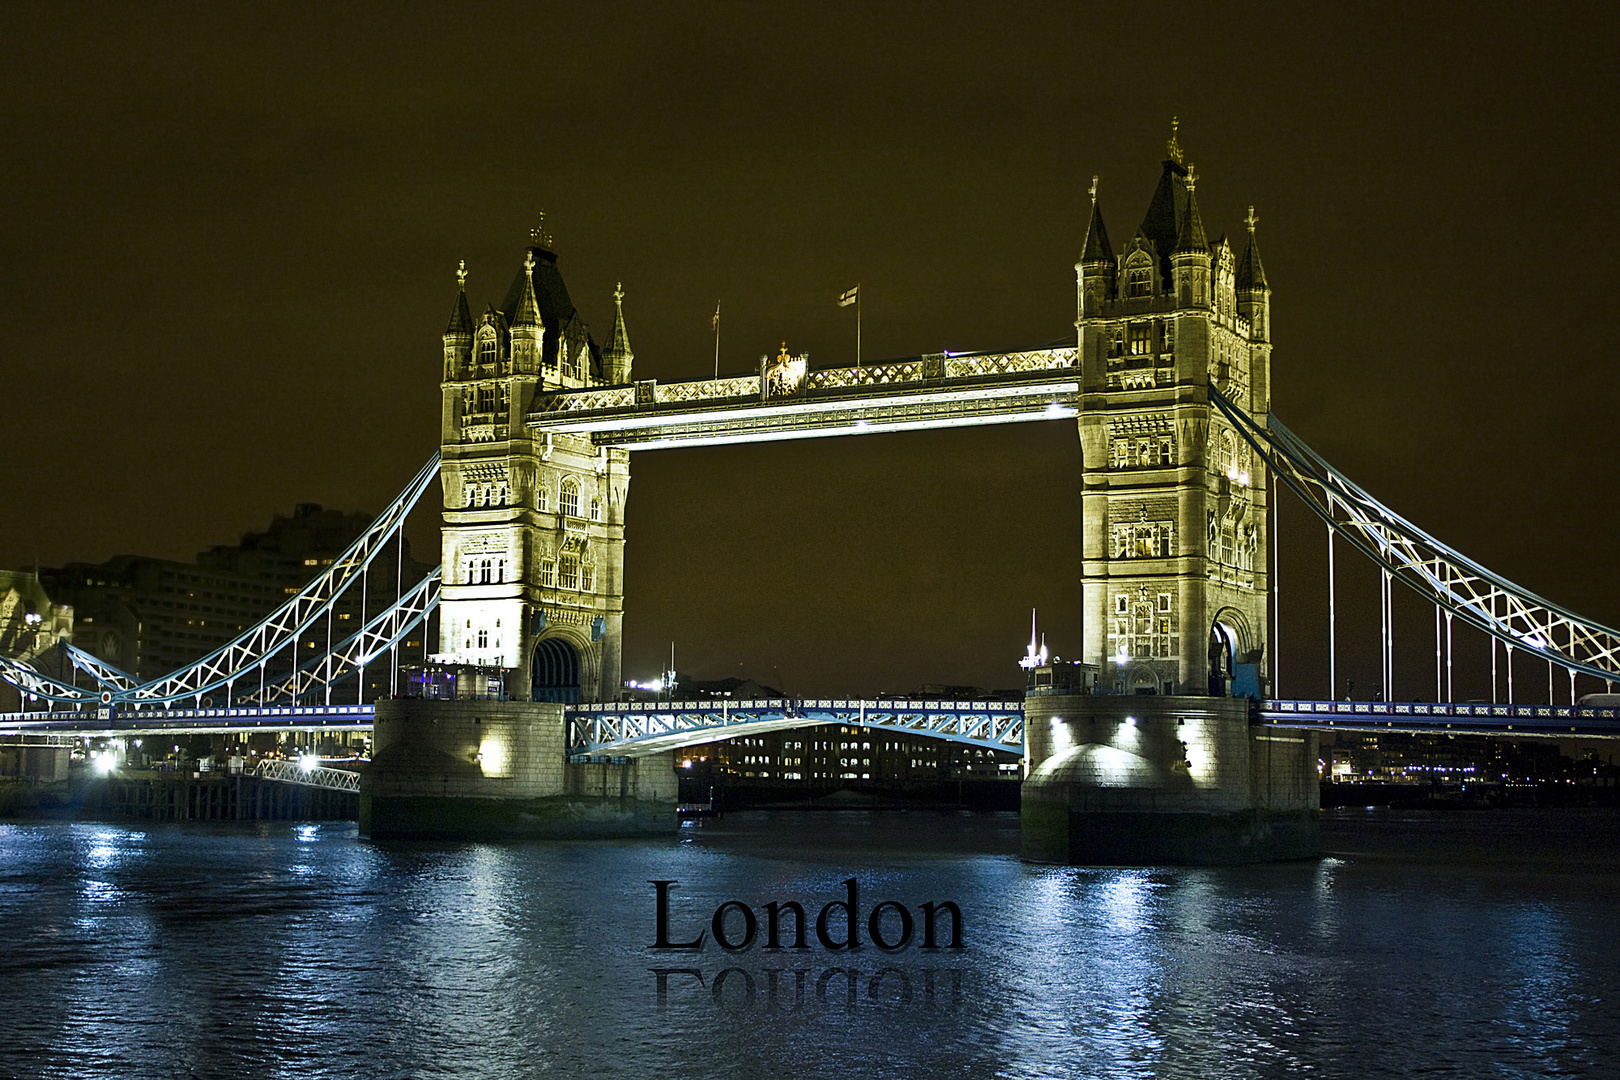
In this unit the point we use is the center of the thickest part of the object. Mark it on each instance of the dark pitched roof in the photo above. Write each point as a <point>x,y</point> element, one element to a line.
<point>527,312</point>
<point>551,295</point>
<point>1162,225</point>
<point>1097,249</point>
<point>460,317</point>
<point>1192,237</point>
<point>1250,274</point>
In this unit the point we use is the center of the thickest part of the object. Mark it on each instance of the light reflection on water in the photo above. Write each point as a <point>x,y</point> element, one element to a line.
<point>1460,946</point>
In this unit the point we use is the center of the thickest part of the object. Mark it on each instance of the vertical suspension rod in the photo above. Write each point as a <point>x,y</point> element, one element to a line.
<point>1333,644</point>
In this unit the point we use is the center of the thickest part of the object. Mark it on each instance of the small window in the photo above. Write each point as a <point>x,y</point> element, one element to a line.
<point>596,508</point>
<point>587,577</point>
<point>1141,339</point>
<point>1164,601</point>
<point>548,574</point>
<point>1122,604</point>
<point>542,499</point>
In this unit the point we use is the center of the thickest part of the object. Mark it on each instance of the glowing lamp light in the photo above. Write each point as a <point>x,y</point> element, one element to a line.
<point>105,761</point>
<point>1231,472</point>
<point>1243,479</point>
<point>308,762</point>
<point>1130,721</point>
<point>687,764</point>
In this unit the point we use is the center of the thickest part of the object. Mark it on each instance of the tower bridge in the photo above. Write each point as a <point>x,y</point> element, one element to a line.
<point>1167,379</point>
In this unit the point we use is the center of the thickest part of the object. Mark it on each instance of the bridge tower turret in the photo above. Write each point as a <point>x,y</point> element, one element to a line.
<point>1174,580</point>
<point>533,526</point>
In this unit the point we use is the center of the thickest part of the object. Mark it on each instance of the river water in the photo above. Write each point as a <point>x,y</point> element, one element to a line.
<point>1465,944</point>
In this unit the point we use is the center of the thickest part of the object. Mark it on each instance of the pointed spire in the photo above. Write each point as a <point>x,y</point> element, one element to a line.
<point>1172,147</point>
<point>1192,237</point>
<point>460,317</point>
<point>619,352</point>
<point>1250,274</point>
<point>1097,248</point>
<point>528,309</point>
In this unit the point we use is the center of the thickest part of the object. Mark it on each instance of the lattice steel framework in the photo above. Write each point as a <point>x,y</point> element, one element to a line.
<point>291,772</point>
<point>247,654</point>
<point>1461,587</point>
<point>634,728</point>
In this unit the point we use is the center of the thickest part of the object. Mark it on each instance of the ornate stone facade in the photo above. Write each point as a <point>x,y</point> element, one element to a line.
<point>533,527</point>
<point>1175,550</point>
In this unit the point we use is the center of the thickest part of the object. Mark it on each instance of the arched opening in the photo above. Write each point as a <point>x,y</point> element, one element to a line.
<point>555,672</point>
<point>1222,658</point>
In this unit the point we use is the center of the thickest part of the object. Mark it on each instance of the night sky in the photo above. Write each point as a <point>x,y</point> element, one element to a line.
<point>229,240</point>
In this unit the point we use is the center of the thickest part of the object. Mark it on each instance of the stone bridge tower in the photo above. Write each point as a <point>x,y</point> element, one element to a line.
<point>533,527</point>
<point>1175,585</point>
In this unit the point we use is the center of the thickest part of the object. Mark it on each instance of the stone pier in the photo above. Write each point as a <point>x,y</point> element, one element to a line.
<point>475,769</point>
<point>1144,780</point>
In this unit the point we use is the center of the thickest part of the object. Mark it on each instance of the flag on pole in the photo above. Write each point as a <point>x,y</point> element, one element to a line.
<point>850,297</point>
<point>717,314</point>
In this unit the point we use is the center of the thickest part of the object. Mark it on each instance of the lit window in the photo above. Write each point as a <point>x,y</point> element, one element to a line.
<point>1141,339</point>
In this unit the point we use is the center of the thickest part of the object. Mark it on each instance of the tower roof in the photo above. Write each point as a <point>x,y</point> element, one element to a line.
<point>550,296</point>
<point>460,316</point>
<point>1250,274</point>
<point>527,312</point>
<point>619,348</point>
<point>1192,238</point>
<point>1097,248</point>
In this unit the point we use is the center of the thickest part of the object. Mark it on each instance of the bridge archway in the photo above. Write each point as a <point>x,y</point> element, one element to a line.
<point>555,671</point>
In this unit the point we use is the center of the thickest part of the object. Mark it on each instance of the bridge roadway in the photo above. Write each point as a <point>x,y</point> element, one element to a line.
<point>632,729</point>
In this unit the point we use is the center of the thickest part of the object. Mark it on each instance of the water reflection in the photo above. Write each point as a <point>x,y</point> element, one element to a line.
<point>303,951</point>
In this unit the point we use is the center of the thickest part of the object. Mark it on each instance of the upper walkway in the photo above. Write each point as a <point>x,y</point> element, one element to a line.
<point>785,400</point>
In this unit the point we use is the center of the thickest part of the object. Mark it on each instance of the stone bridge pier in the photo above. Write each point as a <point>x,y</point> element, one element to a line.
<point>1143,780</point>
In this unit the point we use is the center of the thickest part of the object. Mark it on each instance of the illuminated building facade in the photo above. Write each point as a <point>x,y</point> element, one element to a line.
<point>533,528</point>
<point>1175,548</point>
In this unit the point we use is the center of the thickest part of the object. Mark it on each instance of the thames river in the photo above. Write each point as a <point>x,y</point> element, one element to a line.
<point>1466,944</point>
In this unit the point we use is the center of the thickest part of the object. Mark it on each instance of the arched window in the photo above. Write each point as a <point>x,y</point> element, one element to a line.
<point>587,577</point>
<point>488,350</point>
<point>596,508</point>
<point>483,572</point>
<point>569,498</point>
<point>568,575</point>
<point>542,500</point>
<point>1139,281</point>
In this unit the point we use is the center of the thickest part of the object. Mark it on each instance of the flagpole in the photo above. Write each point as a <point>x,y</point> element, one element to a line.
<point>857,326</point>
<point>717,339</point>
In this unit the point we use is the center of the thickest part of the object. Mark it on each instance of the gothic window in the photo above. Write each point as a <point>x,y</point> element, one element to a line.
<point>587,577</point>
<point>596,508</point>
<point>483,572</point>
<point>1116,344</point>
<point>1141,339</point>
<point>1164,602</point>
<point>568,572</point>
<point>483,638</point>
<point>568,501</point>
<point>1122,603</point>
<point>548,574</point>
<point>500,572</point>
<point>1165,454</point>
<point>488,350</point>
<point>486,399</point>
<point>500,493</point>
<point>541,499</point>
<point>570,360</point>
<point>1139,281</point>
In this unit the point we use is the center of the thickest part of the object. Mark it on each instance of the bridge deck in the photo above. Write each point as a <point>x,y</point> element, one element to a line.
<point>635,728</point>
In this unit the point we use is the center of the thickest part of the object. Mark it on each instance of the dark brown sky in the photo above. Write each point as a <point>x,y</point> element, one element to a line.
<point>228,240</point>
